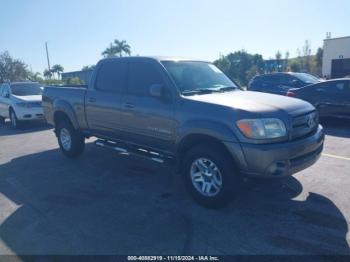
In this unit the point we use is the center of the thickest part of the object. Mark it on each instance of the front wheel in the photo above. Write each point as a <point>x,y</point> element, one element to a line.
<point>15,123</point>
<point>71,141</point>
<point>210,175</point>
<point>2,120</point>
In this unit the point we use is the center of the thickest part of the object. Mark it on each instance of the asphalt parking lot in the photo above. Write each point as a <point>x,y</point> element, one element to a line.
<point>104,203</point>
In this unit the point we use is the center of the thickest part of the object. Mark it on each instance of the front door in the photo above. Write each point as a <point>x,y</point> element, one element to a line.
<point>148,121</point>
<point>4,100</point>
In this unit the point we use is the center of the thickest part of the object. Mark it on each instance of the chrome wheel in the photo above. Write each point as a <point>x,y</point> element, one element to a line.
<point>65,138</point>
<point>13,119</point>
<point>206,177</point>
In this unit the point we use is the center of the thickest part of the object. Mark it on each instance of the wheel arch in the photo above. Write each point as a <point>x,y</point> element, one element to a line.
<point>195,139</point>
<point>11,108</point>
<point>60,116</point>
<point>62,109</point>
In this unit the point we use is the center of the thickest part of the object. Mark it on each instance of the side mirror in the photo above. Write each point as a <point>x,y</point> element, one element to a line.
<point>156,90</point>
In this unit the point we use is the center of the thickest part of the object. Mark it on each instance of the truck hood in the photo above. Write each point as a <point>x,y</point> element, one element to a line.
<point>35,98</point>
<point>255,102</point>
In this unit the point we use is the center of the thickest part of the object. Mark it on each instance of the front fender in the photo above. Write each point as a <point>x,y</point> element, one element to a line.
<point>213,129</point>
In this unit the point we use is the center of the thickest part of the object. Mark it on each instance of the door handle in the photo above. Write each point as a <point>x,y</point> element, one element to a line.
<point>92,99</point>
<point>129,105</point>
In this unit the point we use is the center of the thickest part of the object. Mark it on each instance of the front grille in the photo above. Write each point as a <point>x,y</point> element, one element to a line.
<point>304,124</point>
<point>35,104</point>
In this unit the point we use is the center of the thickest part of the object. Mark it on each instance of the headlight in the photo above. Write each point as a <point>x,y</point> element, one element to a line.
<point>263,128</point>
<point>24,104</point>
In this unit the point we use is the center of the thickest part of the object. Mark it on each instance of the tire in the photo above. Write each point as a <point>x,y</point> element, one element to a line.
<point>71,141</point>
<point>224,175</point>
<point>15,123</point>
<point>2,120</point>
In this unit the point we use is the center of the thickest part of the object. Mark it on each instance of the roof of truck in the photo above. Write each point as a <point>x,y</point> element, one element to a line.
<point>157,58</point>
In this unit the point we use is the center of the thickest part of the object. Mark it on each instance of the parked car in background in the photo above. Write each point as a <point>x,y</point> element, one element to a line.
<point>20,101</point>
<point>280,83</point>
<point>331,98</point>
<point>190,114</point>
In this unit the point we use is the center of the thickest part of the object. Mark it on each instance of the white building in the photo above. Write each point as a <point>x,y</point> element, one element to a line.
<point>336,57</point>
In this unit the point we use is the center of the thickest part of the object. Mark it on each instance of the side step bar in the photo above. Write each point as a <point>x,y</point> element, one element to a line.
<point>134,150</point>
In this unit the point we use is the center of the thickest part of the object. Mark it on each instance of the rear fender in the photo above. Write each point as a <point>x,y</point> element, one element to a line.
<point>67,109</point>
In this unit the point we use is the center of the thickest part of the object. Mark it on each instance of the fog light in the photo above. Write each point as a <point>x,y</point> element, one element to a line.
<point>272,169</point>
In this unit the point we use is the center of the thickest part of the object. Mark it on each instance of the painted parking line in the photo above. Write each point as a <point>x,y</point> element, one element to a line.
<point>335,156</point>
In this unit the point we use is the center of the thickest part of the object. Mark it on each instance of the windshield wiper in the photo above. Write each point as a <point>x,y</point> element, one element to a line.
<point>226,88</point>
<point>208,90</point>
<point>197,91</point>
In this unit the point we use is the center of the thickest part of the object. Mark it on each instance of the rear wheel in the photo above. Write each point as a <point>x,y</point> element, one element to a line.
<point>210,175</point>
<point>71,141</point>
<point>15,123</point>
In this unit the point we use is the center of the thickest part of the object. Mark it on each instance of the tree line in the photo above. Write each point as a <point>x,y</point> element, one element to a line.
<point>240,66</point>
<point>12,69</point>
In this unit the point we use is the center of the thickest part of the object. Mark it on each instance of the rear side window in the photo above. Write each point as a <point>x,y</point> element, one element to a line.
<point>5,90</point>
<point>287,80</point>
<point>142,75</point>
<point>343,86</point>
<point>112,76</point>
<point>330,87</point>
<point>272,79</point>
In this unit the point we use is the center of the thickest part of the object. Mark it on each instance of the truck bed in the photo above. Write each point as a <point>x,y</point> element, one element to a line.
<point>69,99</point>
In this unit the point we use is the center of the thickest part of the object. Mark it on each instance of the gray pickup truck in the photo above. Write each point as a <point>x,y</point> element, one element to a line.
<point>187,113</point>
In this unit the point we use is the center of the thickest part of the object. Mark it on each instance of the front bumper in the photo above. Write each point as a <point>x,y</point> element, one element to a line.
<point>280,159</point>
<point>34,113</point>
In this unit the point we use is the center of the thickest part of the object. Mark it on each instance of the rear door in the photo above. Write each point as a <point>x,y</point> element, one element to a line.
<point>339,99</point>
<point>148,121</point>
<point>332,98</point>
<point>346,99</point>
<point>103,98</point>
<point>270,84</point>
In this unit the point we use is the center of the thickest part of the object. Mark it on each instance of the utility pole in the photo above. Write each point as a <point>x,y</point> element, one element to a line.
<point>48,59</point>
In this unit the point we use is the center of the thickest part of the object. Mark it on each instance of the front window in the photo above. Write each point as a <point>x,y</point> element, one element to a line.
<point>26,89</point>
<point>198,77</point>
<point>306,78</point>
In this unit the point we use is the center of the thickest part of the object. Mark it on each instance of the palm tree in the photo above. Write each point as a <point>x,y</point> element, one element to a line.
<point>122,47</point>
<point>47,74</point>
<point>109,51</point>
<point>88,68</point>
<point>118,47</point>
<point>58,69</point>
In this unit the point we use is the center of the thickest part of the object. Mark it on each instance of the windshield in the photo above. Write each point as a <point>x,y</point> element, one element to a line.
<point>198,77</point>
<point>26,89</point>
<point>306,78</point>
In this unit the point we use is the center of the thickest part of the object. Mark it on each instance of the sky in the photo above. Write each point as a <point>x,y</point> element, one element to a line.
<point>77,31</point>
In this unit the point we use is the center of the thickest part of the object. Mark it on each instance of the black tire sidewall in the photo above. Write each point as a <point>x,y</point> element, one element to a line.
<point>229,173</point>
<point>12,112</point>
<point>77,140</point>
